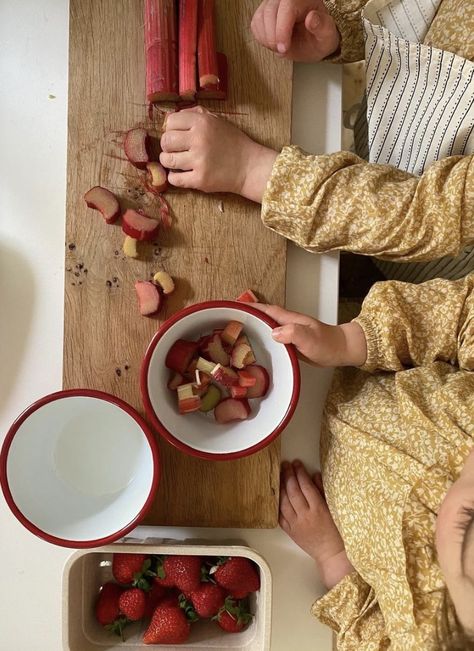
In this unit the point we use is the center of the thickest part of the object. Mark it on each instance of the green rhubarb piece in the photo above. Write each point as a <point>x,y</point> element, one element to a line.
<point>210,399</point>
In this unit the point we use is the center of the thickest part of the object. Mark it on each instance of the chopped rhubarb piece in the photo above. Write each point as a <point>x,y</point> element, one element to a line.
<point>242,356</point>
<point>165,281</point>
<point>130,247</point>
<point>161,51</point>
<point>176,380</point>
<point>215,351</point>
<point>231,409</point>
<point>231,332</point>
<point>246,379</point>
<point>149,299</point>
<point>187,400</point>
<point>211,398</point>
<point>224,375</point>
<point>207,53</point>
<point>135,147</point>
<point>188,18</point>
<point>156,178</point>
<point>138,226</point>
<point>180,355</point>
<point>244,340</point>
<point>205,366</point>
<point>201,382</point>
<point>238,391</point>
<point>263,381</point>
<point>219,90</point>
<point>247,297</point>
<point>104,201</point>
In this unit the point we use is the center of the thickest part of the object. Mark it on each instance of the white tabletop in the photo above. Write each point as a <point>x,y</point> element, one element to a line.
<point>33,122</point>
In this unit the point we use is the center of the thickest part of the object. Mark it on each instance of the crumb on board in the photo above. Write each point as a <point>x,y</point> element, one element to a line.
<point>220,206</point>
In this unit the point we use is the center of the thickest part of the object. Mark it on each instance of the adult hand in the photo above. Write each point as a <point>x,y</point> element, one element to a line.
<point>205,152</point>
<point>300,30</point>
<point>318,343</point>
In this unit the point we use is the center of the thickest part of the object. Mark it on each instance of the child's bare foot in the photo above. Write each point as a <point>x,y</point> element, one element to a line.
<point>305,517</point>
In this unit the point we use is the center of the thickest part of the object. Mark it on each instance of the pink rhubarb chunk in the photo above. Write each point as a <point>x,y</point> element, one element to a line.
<point>104,201</point>
<point>231,409</point>
<point>149,299</point>
<point>139,226</point>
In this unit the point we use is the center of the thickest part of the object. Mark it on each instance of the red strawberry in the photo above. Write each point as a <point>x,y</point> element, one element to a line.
<point>185,571</point>
<point>107,607</point>
<point>132,604</point>
<point>233,617</point>
<point>168,626</point>
<point>238,576</point>
<point>107,610</point>
<point>131,568</point>
<point>208,599</point>
<point>153,598</point>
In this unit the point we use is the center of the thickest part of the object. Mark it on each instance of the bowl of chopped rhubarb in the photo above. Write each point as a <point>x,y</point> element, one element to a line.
<point>214,382</point>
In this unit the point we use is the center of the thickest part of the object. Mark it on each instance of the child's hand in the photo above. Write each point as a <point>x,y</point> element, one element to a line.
<point>301,30</point>
<point>317,342</point>
<point>305,517</point>
<point>207,153</point>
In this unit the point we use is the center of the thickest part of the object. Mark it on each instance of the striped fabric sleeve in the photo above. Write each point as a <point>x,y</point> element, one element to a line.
<point>408,325</point>
<point>341,202</point>
<point>347,16</point>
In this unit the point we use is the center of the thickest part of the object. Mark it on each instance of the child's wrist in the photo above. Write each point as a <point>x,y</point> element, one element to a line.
<point>355,346</point>
<point>259,161</point>
<point>334,568</point>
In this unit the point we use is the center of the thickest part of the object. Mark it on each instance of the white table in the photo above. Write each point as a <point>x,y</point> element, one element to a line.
<point>33,110</point>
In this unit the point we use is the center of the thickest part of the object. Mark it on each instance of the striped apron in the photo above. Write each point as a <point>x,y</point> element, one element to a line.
<point>420,107</point>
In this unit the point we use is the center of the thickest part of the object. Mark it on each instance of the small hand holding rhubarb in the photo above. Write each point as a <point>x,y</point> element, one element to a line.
<point>299,30</point>
<point>205,152</point>
<point>318,343</point>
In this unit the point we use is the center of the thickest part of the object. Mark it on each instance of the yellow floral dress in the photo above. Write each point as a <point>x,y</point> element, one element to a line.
<point>395,436</point>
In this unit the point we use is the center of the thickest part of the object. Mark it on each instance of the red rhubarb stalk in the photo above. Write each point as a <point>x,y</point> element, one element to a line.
<point>188,17</point>
<point>161,50</point>
<point>207,53</point>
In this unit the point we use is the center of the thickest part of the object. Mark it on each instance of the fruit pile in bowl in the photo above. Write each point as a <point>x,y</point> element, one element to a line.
<point>171,593</point>
<point>232,387</point>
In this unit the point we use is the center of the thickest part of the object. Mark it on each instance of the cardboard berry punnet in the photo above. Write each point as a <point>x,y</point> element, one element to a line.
<point>86,571</point>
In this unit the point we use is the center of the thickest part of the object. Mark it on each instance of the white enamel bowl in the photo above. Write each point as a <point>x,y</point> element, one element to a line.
<point>199,434</point>
<point>79,468</point>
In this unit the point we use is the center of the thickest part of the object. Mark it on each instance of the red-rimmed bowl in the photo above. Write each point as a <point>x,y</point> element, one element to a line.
<point>79,468</point>
<point>199,434</point>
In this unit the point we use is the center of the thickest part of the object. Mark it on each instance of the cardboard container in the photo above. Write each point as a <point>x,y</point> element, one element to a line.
<point>86,571</point>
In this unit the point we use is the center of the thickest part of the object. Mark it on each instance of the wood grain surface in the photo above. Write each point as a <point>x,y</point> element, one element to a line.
<point>211,254</point>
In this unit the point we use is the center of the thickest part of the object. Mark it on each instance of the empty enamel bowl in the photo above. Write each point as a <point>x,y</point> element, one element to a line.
<point>79,468</point>
<point>198,433</point>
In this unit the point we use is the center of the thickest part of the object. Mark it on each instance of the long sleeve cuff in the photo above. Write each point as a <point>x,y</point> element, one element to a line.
<point>375,357</point>
<point>352,36</point>
<point>345,603</point>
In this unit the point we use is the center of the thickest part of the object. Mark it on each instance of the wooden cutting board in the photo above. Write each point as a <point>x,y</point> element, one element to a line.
<point>216,248</point>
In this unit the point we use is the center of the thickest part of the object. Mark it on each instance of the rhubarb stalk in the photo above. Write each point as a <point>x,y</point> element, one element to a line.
<point>207,53</point>
<point>188,20</point>
<point>161,50</point>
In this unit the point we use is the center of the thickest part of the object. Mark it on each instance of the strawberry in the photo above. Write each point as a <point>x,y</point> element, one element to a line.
<point>168,626</point>
<point>238,576</point>
<point>107,607</point>
<point>208,599</point>
<point>233,616</point>
<point>132,569</point>
<point>185,571</point>
<point>155,596</point>
<point>132,604</point>
<point>107,610</point>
